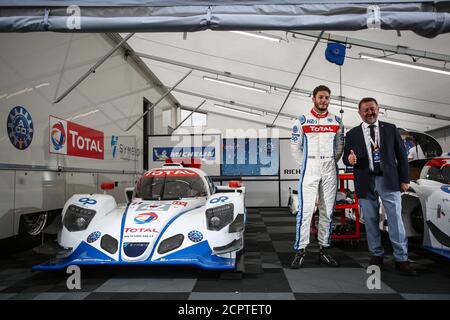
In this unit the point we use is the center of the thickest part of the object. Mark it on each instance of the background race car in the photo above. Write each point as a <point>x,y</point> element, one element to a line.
<point>426,206</point>
<point>175,216</point>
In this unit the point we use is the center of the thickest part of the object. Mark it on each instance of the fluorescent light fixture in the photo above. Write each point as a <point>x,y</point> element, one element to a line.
<point>45,84</point>
<point>294,91</point>
<point>406,64</point>
<point>84,114</point>
<point>260,35</point>
<point>234,84</point>
<point>19,92</point>
<point>237,110</point>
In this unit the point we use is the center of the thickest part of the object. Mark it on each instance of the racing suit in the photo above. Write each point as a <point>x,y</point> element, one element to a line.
<point>317,144</point>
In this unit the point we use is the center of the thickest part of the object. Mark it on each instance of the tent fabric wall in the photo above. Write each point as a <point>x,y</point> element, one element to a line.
<point>426,18</point>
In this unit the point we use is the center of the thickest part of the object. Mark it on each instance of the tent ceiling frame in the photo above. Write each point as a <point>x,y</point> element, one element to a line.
<point>284,87</point>
<point>375,45</point>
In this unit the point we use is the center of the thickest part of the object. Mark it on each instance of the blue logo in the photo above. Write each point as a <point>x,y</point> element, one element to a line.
<point>295,129</point>
<point>20,127</point>
<point>94,236</point>
<point>114,140</point>
<point>86,201</point>
<point>311,121</point>
<point>302,119</point>
<point>294,138</point>
<point>329,120</point>
<point>446,188</point>
<point>219,199</point>
<point>134,249</point>
<point>195,236</point>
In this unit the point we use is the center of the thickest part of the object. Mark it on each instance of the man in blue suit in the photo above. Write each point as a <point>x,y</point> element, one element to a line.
<point>378,155</point>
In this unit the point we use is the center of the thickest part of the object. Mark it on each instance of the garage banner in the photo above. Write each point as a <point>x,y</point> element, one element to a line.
<point>72,139</point>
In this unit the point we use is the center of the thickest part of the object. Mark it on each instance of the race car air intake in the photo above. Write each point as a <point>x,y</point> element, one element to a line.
<point>171,243</point>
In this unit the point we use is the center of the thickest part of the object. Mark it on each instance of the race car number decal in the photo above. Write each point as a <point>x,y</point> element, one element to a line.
<point>86,201</point>
<point>219,199</point>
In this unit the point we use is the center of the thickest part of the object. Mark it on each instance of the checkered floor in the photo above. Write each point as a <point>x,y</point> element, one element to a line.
<point>268,253</point>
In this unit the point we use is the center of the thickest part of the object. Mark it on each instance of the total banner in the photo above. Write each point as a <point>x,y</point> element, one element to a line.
<point>71,139</point>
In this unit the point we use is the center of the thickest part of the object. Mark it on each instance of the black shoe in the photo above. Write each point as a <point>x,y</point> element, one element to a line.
<point>376,261</point>
<point>325,257</point>
<point>405,268</point>
<point>299,259</point>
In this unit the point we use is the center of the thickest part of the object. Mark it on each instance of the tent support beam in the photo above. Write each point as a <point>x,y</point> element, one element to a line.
<point>281,86</point>
<point>159,100</point>
<point>375,45</point>
<point>93,68</point>
<point>298,76</point>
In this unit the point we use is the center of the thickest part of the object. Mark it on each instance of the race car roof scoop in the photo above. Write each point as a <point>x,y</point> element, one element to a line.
<point>184,162</point>
<point>234,184</point>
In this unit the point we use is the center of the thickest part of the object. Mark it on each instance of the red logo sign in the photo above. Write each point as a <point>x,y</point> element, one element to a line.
<point>75,140</point>
<point>320,129</point>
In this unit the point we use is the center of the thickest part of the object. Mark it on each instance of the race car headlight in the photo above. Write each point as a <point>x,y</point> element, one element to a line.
<point>77,218</point>
<point>219,217</point>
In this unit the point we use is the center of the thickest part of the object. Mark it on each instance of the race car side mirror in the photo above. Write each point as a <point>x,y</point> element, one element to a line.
<point>129,194</point>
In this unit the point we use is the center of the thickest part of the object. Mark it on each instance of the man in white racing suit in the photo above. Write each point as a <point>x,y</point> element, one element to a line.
<point>317,144</point>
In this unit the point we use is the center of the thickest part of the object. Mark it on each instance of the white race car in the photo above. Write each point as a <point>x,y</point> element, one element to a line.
<point>176,217</point>
<point>426,206</point>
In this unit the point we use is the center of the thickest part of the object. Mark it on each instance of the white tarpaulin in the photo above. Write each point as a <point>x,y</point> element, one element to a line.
<point>426,18</point>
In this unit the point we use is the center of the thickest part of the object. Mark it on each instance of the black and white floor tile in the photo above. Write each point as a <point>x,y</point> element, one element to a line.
<point>267,276</point>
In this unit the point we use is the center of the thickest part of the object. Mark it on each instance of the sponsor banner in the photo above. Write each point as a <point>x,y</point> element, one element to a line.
<point>163,153</point>
<point>72,139</point>
<point>124,148</point>
<point>170,173</point>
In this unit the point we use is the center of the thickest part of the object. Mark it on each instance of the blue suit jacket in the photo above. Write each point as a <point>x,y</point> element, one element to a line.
<point>394,160</point>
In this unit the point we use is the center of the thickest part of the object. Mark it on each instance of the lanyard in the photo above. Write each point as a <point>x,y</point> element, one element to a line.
<point>373,143</point>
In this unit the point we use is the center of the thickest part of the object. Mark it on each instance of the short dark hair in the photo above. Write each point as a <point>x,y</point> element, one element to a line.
<point>366,99</point>
<point>321,88</point>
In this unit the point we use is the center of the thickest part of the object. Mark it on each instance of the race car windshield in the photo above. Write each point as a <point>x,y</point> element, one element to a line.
<point>171,188</point>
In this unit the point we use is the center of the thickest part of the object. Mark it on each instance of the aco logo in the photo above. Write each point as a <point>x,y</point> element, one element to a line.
<point>20,127</point>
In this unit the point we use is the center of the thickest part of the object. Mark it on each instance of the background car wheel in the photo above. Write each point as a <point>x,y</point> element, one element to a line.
<point>412,210</point>
<point>31,228</point>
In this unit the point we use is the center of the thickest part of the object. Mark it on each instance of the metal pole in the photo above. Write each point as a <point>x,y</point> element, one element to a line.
<point>157,102</point>
<point>92,70</point>
<point>298,76</point>
<point>179,125</point>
